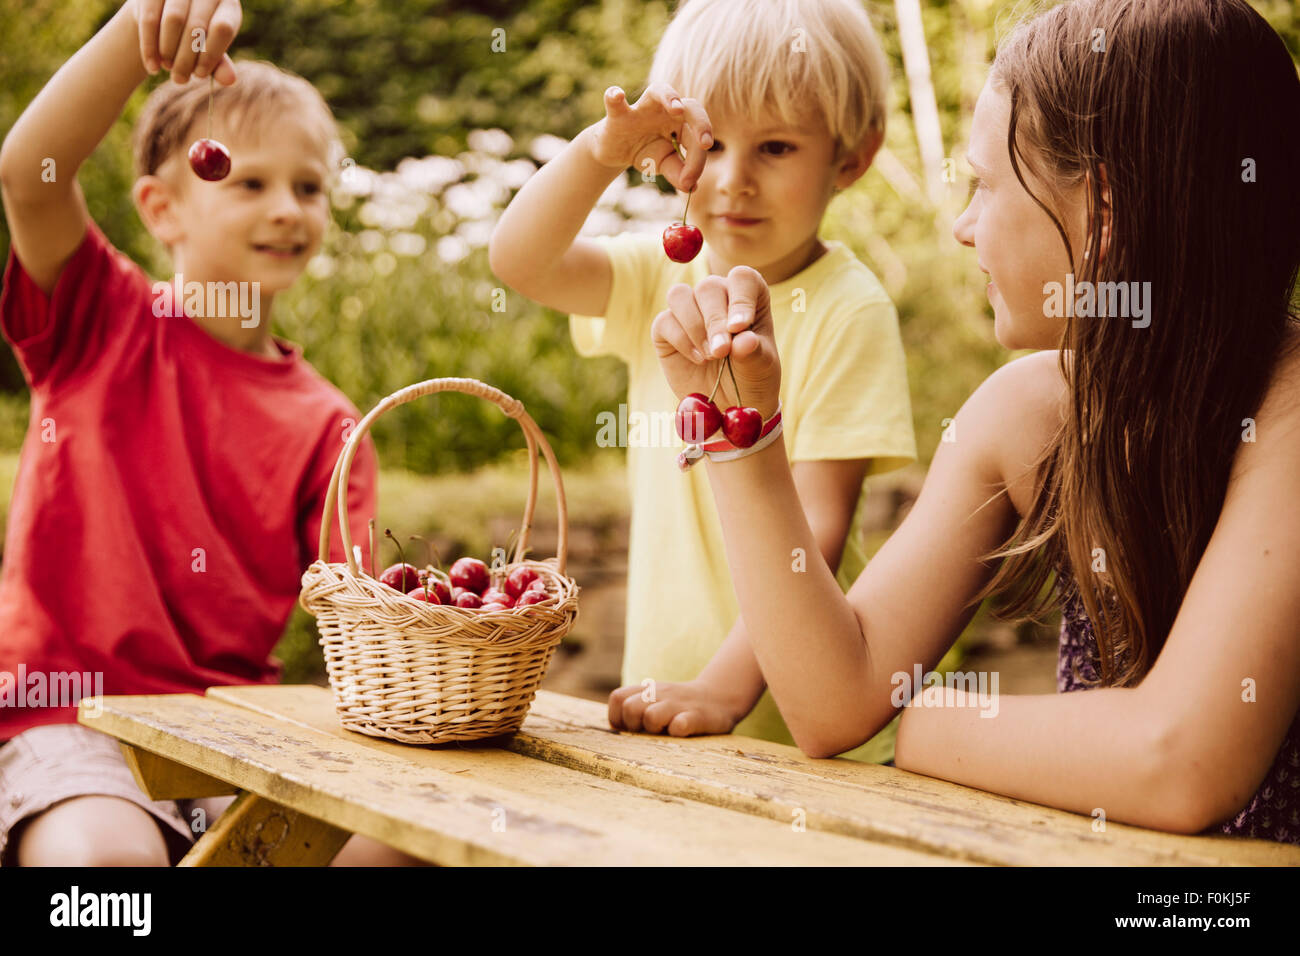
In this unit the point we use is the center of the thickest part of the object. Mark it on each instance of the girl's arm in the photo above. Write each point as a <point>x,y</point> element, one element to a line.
<point>1216,705</point>
<point>63,125</point>
<point>729,686</point>
<point>833,664</point>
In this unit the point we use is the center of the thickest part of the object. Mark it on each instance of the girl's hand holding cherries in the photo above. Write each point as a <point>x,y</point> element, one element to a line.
<point>720,321</point>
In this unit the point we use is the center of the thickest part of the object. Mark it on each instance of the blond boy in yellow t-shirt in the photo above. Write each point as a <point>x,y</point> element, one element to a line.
<point>796,105</point>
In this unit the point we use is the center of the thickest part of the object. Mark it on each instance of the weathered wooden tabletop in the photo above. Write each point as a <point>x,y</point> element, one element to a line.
<point>568,790</point>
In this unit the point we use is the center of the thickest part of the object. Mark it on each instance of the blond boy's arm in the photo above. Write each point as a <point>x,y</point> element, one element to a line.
<point>535,248</point>
<point>828,491</point>
<point>59,129</point>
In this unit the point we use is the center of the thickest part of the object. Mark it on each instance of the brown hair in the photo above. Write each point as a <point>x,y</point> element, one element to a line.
<point>1194,110</point>
<point>263,95</point>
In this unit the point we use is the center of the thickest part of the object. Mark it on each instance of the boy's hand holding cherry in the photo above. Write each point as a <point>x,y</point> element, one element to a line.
<point>170,36</point>
<point>629,135</point>
<point>167,37</point>
<point>694,337</point>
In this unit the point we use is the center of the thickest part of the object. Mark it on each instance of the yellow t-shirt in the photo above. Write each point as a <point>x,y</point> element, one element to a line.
<point>844,395</point>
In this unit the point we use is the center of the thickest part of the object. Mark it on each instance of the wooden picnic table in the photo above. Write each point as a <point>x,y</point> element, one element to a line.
<point>568,790</point>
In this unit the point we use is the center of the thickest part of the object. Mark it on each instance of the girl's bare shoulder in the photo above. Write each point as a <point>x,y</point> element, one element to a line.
<point>1027,397</point>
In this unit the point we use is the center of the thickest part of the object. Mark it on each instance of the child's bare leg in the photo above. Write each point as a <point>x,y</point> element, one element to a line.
<point>92,831</point>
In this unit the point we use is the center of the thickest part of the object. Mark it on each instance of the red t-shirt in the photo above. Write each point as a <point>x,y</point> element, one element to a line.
<point>168,497</point>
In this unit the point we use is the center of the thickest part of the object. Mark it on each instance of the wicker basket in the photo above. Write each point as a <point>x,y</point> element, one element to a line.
<point>426,673</point>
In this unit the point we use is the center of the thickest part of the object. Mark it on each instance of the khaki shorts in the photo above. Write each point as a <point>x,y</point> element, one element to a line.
<point>47,765</point>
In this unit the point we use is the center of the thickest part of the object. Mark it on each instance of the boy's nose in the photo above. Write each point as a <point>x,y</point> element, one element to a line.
<point>734,178</point>
<point>963,227</point>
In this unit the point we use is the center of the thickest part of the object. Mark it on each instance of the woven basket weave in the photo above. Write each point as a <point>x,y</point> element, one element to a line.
<point>427,673</point>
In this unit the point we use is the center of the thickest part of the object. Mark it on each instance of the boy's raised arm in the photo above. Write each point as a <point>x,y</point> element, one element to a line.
<point>40,157</point>
<point>534,248</point>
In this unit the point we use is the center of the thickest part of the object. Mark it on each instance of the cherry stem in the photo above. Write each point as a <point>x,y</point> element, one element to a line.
<point>400,556</point>
<point>682,154</point>
<point>732,373</point>
<point>435,558</point>
<point>717,382</point>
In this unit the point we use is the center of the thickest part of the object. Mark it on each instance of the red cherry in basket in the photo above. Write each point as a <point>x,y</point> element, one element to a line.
<point>538,585</point>
<point>682,242</point>
<point>429,597</point>
<point>520,580</point>
<point>532,596</point>
<point>471,574</point>
<point>494,606</point>
<point>439,587</point>
<point>742,426</point>
<point>499,596</point>
<point>400,577</point>
<point>697,418</point>
<point>209,159</point>
<point>468,599</point>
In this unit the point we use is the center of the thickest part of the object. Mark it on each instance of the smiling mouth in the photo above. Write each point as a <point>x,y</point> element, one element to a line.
<point>282,251</point>
<point>739,221</point>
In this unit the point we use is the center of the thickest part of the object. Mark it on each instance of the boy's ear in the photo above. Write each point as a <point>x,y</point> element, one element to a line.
<point>157,202</point>
<point>857,161</point>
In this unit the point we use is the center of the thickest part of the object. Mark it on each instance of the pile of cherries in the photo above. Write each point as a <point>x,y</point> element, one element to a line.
<point>698,418</point>
<point>468,584</point>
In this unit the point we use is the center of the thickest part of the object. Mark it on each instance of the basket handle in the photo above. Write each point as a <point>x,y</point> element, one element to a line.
<point>513,408</point>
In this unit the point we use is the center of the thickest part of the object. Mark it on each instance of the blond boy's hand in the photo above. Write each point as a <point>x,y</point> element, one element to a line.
<point>641,135</point>
<point>188,37</point>
<point>678,709</point>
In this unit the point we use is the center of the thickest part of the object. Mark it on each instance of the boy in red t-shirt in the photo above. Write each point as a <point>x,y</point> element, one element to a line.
<point>172,479</point>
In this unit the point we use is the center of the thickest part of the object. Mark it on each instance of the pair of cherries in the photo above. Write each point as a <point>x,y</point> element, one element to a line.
<point>209,159</point>
<point>698,417</point>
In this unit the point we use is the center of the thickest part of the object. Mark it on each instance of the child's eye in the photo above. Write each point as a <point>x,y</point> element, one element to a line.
<point>311,188</point>
<point>251,183</point>
<point>785,147</point>
<point>717,145</point>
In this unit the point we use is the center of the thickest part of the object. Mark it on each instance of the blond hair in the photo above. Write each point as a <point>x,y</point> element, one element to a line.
<point>262,97</point>
<point>783,57</point>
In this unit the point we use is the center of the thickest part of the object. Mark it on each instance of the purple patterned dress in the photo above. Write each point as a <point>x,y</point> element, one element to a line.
<point>1273,813</point>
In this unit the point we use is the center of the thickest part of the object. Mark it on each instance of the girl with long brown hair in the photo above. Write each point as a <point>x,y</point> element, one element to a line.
<point>1137,210</point>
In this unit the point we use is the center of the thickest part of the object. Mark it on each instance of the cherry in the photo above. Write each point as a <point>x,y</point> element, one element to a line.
<point>520,580</point>
<point>210,160</point>
<point>497,595</point>
<point>532,596</point>
<point>537,585</point>
<point>471,574</point>
<point>494,606</point>
<point>400,577</point>
<point>468,599</point>
<point>697,418</point>
<point>439,587</point>
<point>429,597</point>
<point>742,425</point>
<point>682,242</point>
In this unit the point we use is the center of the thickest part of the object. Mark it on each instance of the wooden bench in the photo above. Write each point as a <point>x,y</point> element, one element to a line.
<point>568,790</point>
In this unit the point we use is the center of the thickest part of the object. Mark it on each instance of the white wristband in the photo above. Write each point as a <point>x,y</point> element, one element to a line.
<point>742,452</point>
